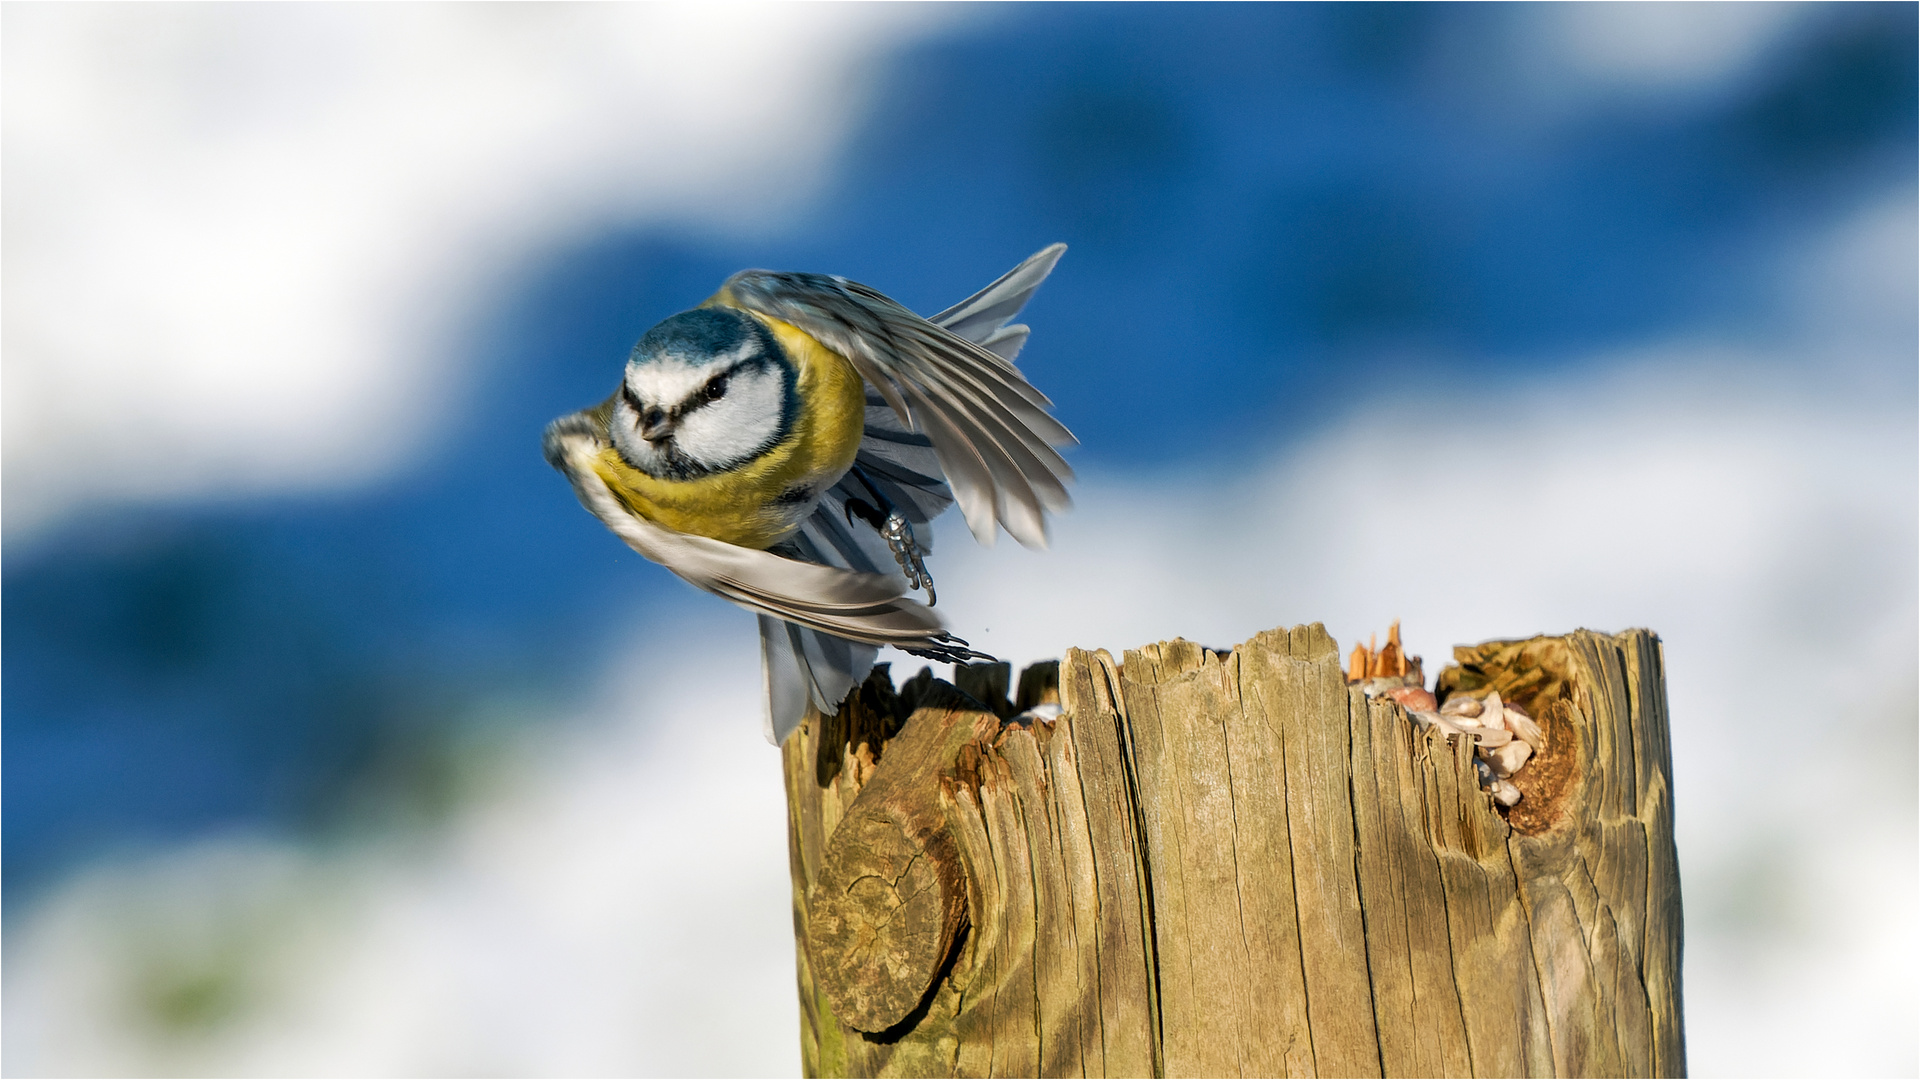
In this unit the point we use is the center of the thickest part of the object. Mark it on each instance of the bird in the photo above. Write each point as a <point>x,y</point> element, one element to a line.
<point>780,443</point>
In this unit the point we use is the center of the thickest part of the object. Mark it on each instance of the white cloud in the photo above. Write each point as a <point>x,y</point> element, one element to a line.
<point>235,236</point>
<point>1855,286</point>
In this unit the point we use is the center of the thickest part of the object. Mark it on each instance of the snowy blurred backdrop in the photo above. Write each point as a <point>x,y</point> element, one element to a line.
<point>340,740</point>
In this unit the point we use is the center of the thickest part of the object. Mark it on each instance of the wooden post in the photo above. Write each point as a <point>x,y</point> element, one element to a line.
<point>1236,865</point>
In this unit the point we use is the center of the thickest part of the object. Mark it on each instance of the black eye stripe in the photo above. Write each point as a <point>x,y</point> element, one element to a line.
<point>711,391</point>
<point>715,388</point>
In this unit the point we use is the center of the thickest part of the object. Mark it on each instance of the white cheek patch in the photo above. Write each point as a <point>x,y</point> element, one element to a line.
<point>738,426</point>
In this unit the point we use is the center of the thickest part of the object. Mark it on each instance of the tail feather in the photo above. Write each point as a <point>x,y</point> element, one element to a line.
<point>805,667</point>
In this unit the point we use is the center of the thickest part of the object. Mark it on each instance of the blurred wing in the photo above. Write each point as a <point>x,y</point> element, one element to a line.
<point>989,428</point>
<point>861,607</point>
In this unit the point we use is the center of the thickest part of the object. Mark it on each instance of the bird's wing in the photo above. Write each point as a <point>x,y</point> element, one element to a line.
<point>982,317</point>
<point>901,462</point>
<point>861,607</point>
<point>989,427</point>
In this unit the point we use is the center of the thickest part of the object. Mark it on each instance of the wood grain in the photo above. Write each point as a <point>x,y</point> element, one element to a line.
<point>1231,864</point>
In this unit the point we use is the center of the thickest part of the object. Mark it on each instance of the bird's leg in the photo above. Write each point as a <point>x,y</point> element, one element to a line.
<point>899,537</point>
<point>896,530</point>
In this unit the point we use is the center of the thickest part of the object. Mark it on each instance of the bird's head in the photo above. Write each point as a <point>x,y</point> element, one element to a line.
<point>706,391</point>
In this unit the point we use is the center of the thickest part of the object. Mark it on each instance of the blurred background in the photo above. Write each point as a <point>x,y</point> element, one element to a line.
<point>340,740</point>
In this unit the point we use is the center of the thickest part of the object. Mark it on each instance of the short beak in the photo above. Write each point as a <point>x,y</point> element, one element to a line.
<point>655,428</point>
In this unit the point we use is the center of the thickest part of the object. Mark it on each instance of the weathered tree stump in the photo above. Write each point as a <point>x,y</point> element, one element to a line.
<point>1235,865</point>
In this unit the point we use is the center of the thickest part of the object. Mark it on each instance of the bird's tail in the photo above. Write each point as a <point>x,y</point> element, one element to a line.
<point>805,667</point>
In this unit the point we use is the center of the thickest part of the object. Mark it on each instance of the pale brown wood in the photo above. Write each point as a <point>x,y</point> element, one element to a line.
<point>1234,864</point>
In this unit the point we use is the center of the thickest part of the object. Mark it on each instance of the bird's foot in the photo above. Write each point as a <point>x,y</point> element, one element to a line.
<point>946,649</point>
<point>898,533</point>
<point>893,526</point>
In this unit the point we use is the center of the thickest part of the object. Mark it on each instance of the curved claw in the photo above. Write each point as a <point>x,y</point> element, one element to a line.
<point>947,649</point>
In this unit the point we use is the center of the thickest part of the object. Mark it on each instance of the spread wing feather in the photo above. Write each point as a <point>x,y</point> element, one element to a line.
<point>981,317</point>
<point>828,540</point>
<point>988,426</point>
<point>1005,342</point>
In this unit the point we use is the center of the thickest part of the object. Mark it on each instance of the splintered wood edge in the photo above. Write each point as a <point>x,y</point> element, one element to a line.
<point>1541,675</point>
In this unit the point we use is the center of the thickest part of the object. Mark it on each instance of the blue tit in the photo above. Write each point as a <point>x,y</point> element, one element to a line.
<point>782,443</point>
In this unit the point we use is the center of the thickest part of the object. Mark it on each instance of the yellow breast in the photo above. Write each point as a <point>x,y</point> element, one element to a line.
<point>764,501</point>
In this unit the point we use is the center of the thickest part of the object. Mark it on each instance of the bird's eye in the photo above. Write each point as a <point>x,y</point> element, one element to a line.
<point>714,390</point>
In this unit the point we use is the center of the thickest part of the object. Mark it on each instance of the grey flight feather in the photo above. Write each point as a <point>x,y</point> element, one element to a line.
<point>989,427</point>
<point>982,317</point>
